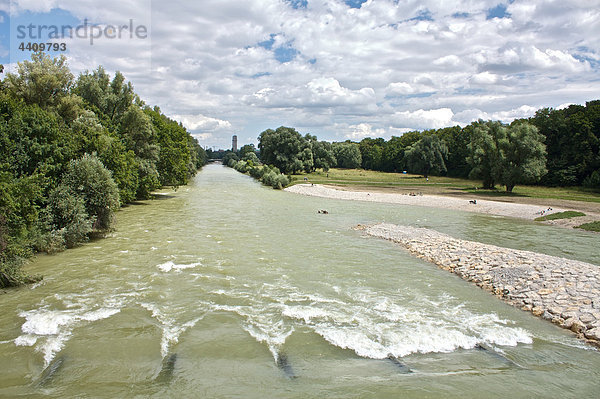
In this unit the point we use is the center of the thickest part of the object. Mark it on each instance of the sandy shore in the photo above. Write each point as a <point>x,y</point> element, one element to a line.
<point>564,291</point>
<point>516,210</point>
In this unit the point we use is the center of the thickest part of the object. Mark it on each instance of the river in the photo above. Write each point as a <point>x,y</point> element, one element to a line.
<point>227,289</point>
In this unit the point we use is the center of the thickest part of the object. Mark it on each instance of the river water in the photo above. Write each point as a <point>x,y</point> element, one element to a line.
<point>226,289</point>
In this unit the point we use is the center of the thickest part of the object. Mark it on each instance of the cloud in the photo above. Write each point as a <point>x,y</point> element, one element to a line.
<point>200,122</point>
<point>319,92</point>
<point>423,119</point>
<point>383,68</point>
<point>467,116</point>
<point>362,130</point>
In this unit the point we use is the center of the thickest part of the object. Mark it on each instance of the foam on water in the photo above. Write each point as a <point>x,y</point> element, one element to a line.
<point>171,328</point>
<point>263,323</point>
<point>375,326</point>
<point>170,265</point>
<point>51,328</point>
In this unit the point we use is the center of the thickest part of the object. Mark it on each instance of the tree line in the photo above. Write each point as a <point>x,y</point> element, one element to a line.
<point>72,150</point>
<point>552,148</point>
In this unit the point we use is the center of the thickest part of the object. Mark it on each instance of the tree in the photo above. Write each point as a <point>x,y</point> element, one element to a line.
<point>572,142</point>
<point>457,140</point>
<point>88,179</point>
<point>393,151</point>
<point>523,156</point>
<point>140,137</point>
<point>507,154</point>
<point>174,153</point>
<point>485,157</point>
<point>108,99</point>
<point>347,155</point>
<point>229,155</point>
<point>427,155</point>
<point>323,155</point>
<point>286,149</point>
<point>251,159</point>
<point>371,152</point>
<point>43,80</point>
<point>246,149</point>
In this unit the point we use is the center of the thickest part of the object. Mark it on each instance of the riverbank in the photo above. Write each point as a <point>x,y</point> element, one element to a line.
<point>566,292</point>
<point>528,211</point>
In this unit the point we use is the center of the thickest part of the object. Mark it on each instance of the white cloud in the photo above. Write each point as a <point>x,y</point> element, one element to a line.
<point>201,122</point>
<point>424,119</point>
<point>374,70</point>
<point>485,78</point>
<point>467,116</point>
<point>362,130</point>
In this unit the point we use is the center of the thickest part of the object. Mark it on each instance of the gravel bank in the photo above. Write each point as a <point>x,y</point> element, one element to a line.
<point>566,292</point>
<point>522,211</point>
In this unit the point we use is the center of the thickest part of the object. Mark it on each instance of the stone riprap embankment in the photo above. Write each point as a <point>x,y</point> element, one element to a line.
<point>566,292</point>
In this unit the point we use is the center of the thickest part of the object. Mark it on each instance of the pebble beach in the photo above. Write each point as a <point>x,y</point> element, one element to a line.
<point>563,291</point>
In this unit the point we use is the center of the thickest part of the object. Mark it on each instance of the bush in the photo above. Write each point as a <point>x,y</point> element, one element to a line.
<point>271,176</point>
<point>11,274</point>
<point>88,179</point>
<point>67,218</point>
<point>593,180</point>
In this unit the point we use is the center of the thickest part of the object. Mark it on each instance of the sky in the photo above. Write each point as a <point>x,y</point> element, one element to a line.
<point>332,68</point>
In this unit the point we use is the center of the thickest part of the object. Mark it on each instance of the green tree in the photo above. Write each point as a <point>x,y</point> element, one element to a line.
<point>228,156</point>
<point>507,154</point>
<point>427,155</point>
<point>286,149</point>
<point>371,151</point>
<point>572,142</point>
<point>323,155</point>
<point>485,157</point>
<point>347,155</point>
<point>174,152</point>
<point>523,156</point>
<point>247,149</point>
<point>43,80</point>
<point>457,141</point>
<point>140,137</point>
<point>393,151</point>
<point>88,179</point>
<point>67,220</point>
<point>110,100</point>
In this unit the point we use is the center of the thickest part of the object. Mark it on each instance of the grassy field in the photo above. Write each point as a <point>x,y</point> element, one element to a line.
<point>560,215</point>
<point>399,182</point>
<point>592,226</point>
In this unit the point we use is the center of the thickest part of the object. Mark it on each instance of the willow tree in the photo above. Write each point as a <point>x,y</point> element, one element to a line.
<point>523,156</point>
<point>427,155</point>
<point>485,156</point>
<point>508,155</point>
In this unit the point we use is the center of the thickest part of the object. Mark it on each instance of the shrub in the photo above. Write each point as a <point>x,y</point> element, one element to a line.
<point>67,218</point>
<point>88,179</point>
<point>593,180</point>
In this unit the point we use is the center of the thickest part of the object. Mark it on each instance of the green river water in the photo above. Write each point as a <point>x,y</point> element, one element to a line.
<point>199,293</point>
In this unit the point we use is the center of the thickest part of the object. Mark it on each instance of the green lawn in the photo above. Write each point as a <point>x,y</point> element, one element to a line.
<point>560,215</point>
<point>592,226</point>
<point>440,185</point>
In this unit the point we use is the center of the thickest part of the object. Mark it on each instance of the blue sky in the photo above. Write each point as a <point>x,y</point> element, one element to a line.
<point>339,69</point>
<point>28,27</point>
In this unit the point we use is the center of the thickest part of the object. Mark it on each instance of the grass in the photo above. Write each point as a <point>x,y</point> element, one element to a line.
<point>440,185</point>
<point>381,179</point>
<point>560,215</point>
<point>592,226</point>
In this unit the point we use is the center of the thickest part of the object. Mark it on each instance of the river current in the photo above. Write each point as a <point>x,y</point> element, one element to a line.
<point>226,288</point>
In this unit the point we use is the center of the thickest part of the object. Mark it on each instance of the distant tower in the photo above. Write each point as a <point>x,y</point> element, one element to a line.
<point>234,143</point>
